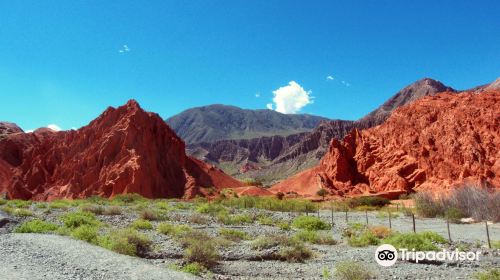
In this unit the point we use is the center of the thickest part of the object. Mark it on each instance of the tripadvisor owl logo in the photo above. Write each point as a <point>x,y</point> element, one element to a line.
<point>386,255</point>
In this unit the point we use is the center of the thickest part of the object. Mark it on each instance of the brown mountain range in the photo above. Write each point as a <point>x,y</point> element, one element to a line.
<point>270,159</point>
<point>434,144</point>
<point>125,150</point>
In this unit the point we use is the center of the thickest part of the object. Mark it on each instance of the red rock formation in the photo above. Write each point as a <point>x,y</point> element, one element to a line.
<point>433,144</point>
<point>125,150</point>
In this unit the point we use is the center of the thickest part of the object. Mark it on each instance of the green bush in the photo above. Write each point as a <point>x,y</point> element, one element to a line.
<point>270,241</point>
<point>173,230</point>
<point>198,219</point>
<point>20,212</point>
<point>129,198</point>
<point>284,226</point>
<point>454,215</point>
<point>264,220</point>
<point>92,208</point>
<point>364,239</point>
<point>310,223</point>
<point>142,224</point>
<point>126,241</point>
<point>112,210</point>
<point>433,237</point>
<point>233,234</point>
<point>17,203</point>
<point>151,215</point>
<point>352,270</point>
<point>315,238</point>
<point>417,241</point>
<point>3,201</point>
<point>228,219</point>
<point>203,252</point>
<point>86,233</point>
<point>36,226</point>
<point>371,201</point>
<point>211,208</point>
<point>193,268</point>
<point>76,219</point>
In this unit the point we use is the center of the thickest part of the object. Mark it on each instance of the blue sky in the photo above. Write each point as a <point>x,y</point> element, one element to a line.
<point>64,62</point>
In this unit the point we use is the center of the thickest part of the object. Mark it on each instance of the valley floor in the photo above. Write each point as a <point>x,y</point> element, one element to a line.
<point>42,256</point>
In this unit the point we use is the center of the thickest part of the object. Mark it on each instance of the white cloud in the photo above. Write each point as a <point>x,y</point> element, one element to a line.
<point>124,49</point>
<point>257,94</point>
<point>269,106</point>
<point>346,84</point>
<point>330,78</point>
<point>291,99</point>
<point>54,127</point>
<point>29,131</point>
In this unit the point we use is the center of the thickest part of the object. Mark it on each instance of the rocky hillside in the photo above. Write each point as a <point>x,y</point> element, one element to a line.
<point>125,150</point>
<point>221,122</point>
<point>434,144</point>
<point>273,158</point>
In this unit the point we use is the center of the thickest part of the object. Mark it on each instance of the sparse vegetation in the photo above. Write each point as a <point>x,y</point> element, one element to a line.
<point>36,226</point>
<point>142,224</point>
<point>112,210</point>
<point>150,215</point>
<point>127,199</point>
<point>86,233</point>
<point>352,270</point>
<point>233,234</point>
<point>93,208</point>
<point>126,241</point>
<point>228,219</point>
<point>198,219</point>
<point>297,252</point>
<point>492,274</point>
<point>266,242</point>
<point>370,201</point>
<point>76,219</point>
<point>193,268</point>
<point>424,241</point>
<point>173,230</point>
<point>315,237</point>
<point>310,223</point>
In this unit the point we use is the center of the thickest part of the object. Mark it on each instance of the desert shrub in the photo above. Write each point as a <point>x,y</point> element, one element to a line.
<point>239,219</point>
<point>142,224</point>
<point>151,215</point>
<point>183,206</point>
<point>385,214</point>
<point>353,229</point>
<point>86,233</point>
<point>193,268</point>
<point>251,182</point>
<point>417,241</point>
<point>492,274</point>
<point>60,204</point>
<point>41,205</point>
<point>352,270</point>
<point>380,232</point>
<point>36,226</point>
<point>280,195</point>
<point>426,206</point>
<point>173,230</point>
<point>18,203</point>
<point>93,208</point>
<point>270,241</point>
<point>297,252</point>
<point>112,210</point>
<point>310,223</point>
<point>233,234</point>
<point>211,208</point>
<point>264,220</point>
<point>454,215</point>
<point>433,237</point>
<point>364,239</point>
<point>198,219</point>
<point>270,203</point>
<point>315,237</point>
<point>163,205</point>
<point>203,252</point>
<point>21,212</point>
<point>3,201</point>
<point>128,198</point>
<point>284,226</point>
<point>371,201</point>
<point>126,241</point>
<point>76,219</point>
<point>466,201</point>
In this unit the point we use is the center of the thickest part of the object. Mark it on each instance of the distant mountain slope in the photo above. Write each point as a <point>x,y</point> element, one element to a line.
<point>218,122</point>
<point>274,158</point>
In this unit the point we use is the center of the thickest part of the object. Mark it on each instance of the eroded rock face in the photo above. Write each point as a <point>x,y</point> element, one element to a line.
<point>125,150</point>
<point>433,144</point>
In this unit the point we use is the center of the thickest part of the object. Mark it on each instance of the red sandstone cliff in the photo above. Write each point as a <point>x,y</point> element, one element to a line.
<point>125,150</point>
<point>434,144</point>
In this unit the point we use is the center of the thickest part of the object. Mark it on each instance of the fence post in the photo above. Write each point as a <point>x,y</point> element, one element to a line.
<point>332,215</point>
<point>390,222</point>
<point>488,234</point>
<point>397,207</point>
<point>413,218</point>
<point>318,212</point>
<point>448,226</point>
<point>366,216</point>
<point>346,219</point>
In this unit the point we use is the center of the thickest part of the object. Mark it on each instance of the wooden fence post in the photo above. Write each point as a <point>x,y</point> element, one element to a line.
<point>488,234</point>
<point>366,216</point>
<point>413,218</point>
<point>332,215</point>
<point>346,219</point>
<point>448,226</point>
<point>390,222</point>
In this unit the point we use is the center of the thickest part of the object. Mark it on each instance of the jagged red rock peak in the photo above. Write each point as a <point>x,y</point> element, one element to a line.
<point>124,150</point>
<point>434,144</point>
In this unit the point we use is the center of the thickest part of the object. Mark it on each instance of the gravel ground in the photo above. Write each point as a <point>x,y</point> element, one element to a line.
<point>54,257</point>
<point>41,256</point>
